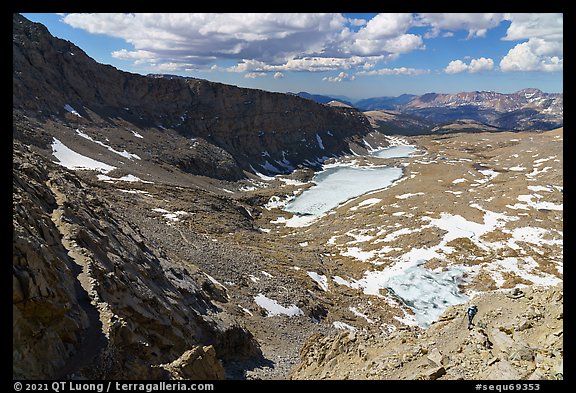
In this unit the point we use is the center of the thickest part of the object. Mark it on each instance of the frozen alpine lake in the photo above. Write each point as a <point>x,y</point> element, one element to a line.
<point>340,183</point>
<point>336,185</point>
<point>400,151</point>
<point>426,292</point>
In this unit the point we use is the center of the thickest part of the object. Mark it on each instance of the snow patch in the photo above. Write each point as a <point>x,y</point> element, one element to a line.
<point>343,326</point>
<point>295,221</point>
<point>274,308</point>
<point>72,160</point>
<point>539,188</point>
<point>525,267</point>
<point>535,204</point>
<point>137,135</point>
<point>170,216</point>
<point>356,252</point>
<point>246,311</point>
<point>128,178</point>
<point>359,314</point>
<point>68,108</point>
<point>319,140</point>
<point>133,191</point>
<point>291,182</point>
<point>517,168</point>
<point>120,153</point>
<point>366,203</point>
<point>260,175</point>
<point>408,195</point>
<point>320,279</point>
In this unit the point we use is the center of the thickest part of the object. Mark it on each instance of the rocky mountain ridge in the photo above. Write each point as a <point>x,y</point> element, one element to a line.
<point>387,103</point>
<point>322,99</point>
<point>526,109</point>
<point>273,132</point>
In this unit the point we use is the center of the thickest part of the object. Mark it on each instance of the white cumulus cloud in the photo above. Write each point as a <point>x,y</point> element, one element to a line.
<point>252,75</point>
<point>395,71</point>
<point>543,50</point>
<point>525,57</point>
<point>455,67</point>
<point>275,41</point>
<point>536,25</point>
<point>385,34</point>
<point>476,24</point>
<point>342,76</point>
<point>312,64</point>
<point>132,55</point>
<point>475,65</point>
<point>481,64</point>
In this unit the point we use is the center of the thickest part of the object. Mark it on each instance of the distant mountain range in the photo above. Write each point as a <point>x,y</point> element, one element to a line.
<point>322,99</point>
<point>377,103</point>
<point>527,109</point>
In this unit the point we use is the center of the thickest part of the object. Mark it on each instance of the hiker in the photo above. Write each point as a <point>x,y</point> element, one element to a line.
<point>471,311</point>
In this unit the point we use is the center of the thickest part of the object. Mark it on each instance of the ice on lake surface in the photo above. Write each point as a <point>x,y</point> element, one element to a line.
<point>426,292</point>
<point>400,151</point>
<point>339,184</point>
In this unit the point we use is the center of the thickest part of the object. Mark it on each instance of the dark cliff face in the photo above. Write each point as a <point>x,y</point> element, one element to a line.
<point>253,126</point>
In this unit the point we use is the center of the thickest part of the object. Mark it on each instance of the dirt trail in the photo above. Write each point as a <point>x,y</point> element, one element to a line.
<point>94,339</point>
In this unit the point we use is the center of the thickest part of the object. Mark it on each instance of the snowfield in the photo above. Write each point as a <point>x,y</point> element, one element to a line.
<point>72,160</point>
<point>124,153</point>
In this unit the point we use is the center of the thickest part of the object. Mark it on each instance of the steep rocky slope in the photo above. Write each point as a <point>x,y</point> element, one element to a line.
<point>273,132</point>
<point>518,334</point>
<point>90,297</point>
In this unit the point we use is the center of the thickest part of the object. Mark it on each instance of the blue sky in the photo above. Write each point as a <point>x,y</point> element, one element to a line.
<point>353,55</point>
